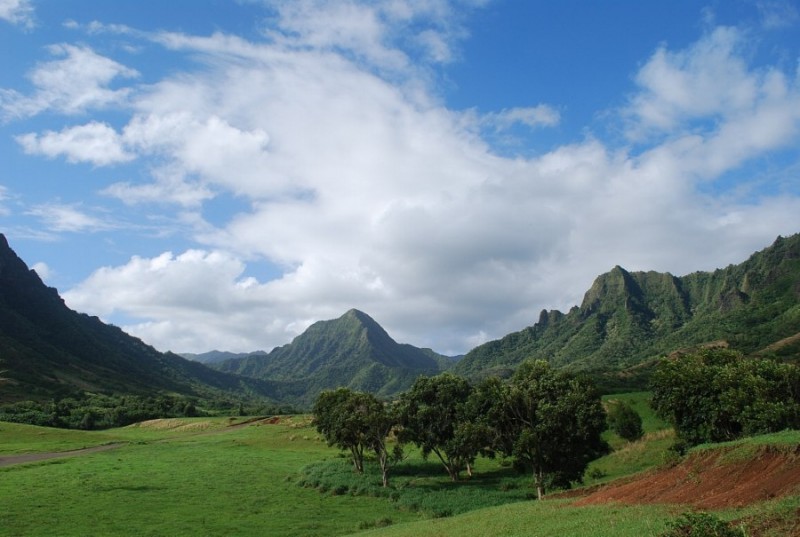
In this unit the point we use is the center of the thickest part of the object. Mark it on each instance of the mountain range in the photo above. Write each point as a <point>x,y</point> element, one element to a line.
<point>625,321</point>
<point>628,319</point>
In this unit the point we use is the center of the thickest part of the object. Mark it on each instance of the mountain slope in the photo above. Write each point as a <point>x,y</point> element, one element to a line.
<point>353,351</point>
<point>212,357</point>
<point>627,318</point>
<point>47,350</point>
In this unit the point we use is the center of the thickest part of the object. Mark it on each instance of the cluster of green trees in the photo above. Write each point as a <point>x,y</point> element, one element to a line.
<point>717,395</point>
<point>549,422</point>
<point>98,411</point>
<point>84,410</point>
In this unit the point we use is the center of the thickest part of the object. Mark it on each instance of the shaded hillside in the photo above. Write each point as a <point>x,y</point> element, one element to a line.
<point>352,351</point>
<point>627,318</point>
<point>47,350</point>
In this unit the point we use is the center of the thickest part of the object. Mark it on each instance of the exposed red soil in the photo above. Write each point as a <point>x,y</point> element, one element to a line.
<point>709,481</point>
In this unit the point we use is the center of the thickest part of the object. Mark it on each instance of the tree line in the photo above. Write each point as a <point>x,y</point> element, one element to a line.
<point>91,411</point>
<point>549,422</point>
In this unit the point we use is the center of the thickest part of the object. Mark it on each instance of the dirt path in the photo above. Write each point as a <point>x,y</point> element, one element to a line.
<point>8,460</point>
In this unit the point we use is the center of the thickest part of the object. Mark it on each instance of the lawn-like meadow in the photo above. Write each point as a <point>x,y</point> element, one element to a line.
<point>221,476</point>
<point>195,480</point>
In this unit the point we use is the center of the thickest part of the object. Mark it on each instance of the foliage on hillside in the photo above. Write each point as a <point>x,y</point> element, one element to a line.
<point>627,318</point>
<point>352,351</point>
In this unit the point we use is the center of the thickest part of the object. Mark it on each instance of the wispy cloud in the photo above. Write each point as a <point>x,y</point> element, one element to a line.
<point>79,80</point>
<point>778,14</point>
<point>68,218</point>
<point>18,12</point>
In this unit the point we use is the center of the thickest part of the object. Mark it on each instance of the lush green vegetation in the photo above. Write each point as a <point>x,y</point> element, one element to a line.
<point>352,351</point>
<point>715,395</point>
<point>548,422</point>
<point>99,411</point>
<point>630,318</point>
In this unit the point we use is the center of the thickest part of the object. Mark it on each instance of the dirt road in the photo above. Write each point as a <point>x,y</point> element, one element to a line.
<point>8,460</point>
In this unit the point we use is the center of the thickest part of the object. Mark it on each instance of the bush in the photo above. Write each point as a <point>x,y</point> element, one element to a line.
<point>701,525</point>
<point>625,421</point>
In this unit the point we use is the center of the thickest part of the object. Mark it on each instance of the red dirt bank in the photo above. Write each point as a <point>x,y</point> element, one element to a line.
<point>708,480</point>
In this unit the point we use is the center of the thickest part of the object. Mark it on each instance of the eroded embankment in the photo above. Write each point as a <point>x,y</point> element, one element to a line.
<point>712,479</point>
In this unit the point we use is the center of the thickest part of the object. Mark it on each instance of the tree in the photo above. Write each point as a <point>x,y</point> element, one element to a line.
<point>716,395</point>
<point>357,421</point>
<point>432,415</point>
<point>340,416</point>
<point>551,424</point>
<point>625,421</point>
<point>380,421</point>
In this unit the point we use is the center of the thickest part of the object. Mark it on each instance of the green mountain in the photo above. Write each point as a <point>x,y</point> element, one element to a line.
<point>629,318</point>
<point>212,357</point>
<point>352,351</point>
<point>48,350</point>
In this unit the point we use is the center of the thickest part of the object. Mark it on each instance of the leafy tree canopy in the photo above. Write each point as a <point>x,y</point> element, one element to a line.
<point>552,425</point>
<point>716,395</point>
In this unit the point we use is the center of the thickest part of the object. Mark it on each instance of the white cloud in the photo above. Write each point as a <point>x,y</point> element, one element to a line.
<point>76,82</point>
<point>708,80</point>
<point>18,12</point>
<point>94,142</point>
<point>374,32</point>
<point>61,217</point>
<point>4,211</point>
<point>367,192</point>
<point>532,117</point>
<point>42,270</point>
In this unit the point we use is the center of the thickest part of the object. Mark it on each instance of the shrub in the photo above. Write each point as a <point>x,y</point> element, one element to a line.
<point>625,421</point>
<point>701,525</point>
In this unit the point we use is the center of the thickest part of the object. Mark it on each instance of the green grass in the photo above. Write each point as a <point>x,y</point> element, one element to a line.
<point>236,483</point>
<point>423,486</point>
<point>199,477</point>
<point>547,518</point>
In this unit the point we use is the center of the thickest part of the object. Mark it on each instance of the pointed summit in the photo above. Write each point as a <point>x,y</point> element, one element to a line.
<point>352,350</point>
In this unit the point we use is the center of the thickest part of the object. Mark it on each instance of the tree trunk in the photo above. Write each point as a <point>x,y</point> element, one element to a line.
<point>383,458</point>
<point>538,477</point>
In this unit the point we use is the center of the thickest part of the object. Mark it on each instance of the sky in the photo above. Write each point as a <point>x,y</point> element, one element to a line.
<point>212,174</point>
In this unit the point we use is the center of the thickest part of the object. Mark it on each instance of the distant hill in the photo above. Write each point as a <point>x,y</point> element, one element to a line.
<point>48,350</point>
<point>353,351</point>
<point>627,318</point>
<point>213,357</point>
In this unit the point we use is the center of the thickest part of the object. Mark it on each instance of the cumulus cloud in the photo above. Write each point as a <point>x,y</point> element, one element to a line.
<point>18,12</point>
<point>94,142</point>
<point>362,190</point>
<point>79,80</point>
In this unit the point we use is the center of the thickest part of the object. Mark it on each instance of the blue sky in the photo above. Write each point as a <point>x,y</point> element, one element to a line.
<point>216,174</point>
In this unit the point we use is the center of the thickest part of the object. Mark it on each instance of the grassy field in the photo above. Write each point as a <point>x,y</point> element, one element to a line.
<point>173,481</point>
<point>221,476</point>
